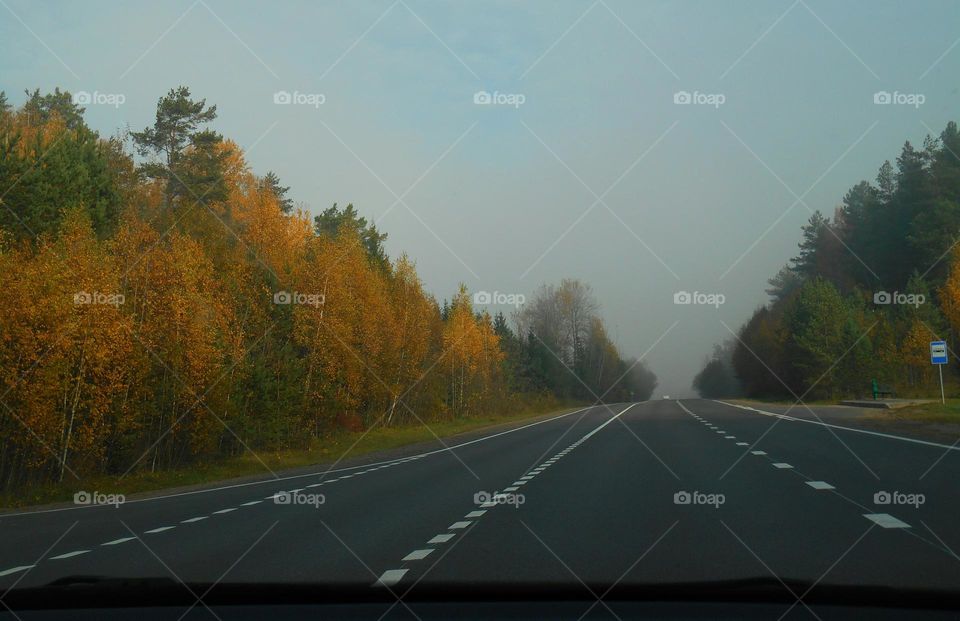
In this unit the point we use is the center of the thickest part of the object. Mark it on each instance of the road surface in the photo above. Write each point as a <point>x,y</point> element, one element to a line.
<point>594,496</point>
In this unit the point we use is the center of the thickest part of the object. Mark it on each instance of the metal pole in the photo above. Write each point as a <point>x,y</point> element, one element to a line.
<point>942,400</point>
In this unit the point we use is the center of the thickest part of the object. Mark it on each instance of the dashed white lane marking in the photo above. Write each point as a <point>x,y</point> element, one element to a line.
<point>159,530</point>
<point>743,444</point>
<point>118,541</point>
<point>68,555</point>
<point>445,449</point>
<point>393,576</point>
<point>192,520</point>
<point>782,465</point>
<point>758,452</point>
<point>512,488</point>
<point>886,520</point>
<point>390,577</point>
<point>315,485</point>
<point>952,447</point>
<point>251,503</point>
<point>13,570</point>
<point>730,437</point>
<point>417,555</point>
<point>224,511</point>
<point>820,485</point>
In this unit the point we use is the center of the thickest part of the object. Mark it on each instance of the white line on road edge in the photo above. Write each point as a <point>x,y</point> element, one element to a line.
<point>382,464</point>
<point>853,429</point>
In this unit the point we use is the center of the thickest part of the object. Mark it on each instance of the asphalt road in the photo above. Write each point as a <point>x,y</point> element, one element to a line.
<point>594,496</point>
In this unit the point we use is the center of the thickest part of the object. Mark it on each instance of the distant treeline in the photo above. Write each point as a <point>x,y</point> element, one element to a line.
<point>866,294</point>
<point>177,308</point>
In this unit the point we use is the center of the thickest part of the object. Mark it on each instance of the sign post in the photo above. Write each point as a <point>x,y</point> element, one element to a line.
<point>938,356</point>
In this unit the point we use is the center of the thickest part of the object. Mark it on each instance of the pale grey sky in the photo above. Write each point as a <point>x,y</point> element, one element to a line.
<point>694,197</point>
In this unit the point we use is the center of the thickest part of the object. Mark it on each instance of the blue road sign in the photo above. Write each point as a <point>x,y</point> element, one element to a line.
<point>938,352</point>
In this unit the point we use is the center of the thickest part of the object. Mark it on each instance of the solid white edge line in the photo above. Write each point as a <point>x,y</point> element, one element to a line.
<point>822,424</point>
<point>389,462</point>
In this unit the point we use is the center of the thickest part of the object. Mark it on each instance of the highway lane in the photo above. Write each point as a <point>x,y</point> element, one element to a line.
<point>368,513</point>
<point>599,491</point>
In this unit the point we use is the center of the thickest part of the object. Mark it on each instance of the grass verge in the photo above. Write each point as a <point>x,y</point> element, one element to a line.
<point>326,450</point>
<point>925,412</point>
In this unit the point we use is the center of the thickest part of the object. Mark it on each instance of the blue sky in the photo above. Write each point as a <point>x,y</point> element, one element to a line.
<point>500,192</point>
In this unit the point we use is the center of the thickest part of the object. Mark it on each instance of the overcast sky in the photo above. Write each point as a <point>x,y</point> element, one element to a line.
<point>583,166</point>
